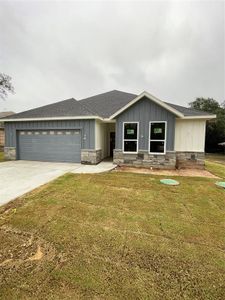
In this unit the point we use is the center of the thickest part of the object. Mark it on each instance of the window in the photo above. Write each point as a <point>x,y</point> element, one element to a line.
<point>157,137</point>
<point>130,137</point>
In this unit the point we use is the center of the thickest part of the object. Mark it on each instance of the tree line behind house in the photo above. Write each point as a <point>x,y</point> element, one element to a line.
<point>215,129</point>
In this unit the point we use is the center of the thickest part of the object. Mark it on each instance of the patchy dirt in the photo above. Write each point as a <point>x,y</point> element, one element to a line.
<point>18,248</point>
<point>182,172</point>
<point>26,262</point>
<point>38,255</point>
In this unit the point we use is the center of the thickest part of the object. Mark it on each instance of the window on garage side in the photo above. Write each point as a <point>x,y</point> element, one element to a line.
<point>130,137</point>
<point>157,137</point>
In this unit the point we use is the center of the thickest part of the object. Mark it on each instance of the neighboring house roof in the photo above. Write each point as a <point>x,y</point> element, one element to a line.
<point>4,114</point>
<point>103,106</point>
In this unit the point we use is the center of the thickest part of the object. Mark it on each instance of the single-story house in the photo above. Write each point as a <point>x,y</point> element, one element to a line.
<point>137,130</point>
<point>3,114</point>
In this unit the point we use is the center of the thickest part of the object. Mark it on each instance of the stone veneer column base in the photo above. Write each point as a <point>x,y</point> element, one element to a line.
<point>90,156</point>
<point>10,153</point>
<point>145,160</point>
<point>190,160</point>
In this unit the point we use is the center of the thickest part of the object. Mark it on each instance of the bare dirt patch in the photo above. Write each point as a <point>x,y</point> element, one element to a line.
<point>18,248</point>
<point>182,172</point>
<point>38,255</point>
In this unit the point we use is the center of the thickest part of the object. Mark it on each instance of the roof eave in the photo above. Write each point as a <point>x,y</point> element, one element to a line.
<point>51,118</point>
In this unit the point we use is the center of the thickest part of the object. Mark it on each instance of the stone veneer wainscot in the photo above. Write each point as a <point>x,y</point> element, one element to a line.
<point>144,159</point>
<point>10,153</point>
<point>170,160</point>
<point>90,156</point>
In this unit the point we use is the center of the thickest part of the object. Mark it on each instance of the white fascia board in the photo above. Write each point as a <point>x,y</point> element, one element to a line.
<point>150,97</point>
<point>206,117</point>
<point>52,119</point>
<point>106,120</point>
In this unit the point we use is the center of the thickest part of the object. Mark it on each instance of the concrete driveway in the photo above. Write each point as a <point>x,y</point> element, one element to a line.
<point>19,177</point>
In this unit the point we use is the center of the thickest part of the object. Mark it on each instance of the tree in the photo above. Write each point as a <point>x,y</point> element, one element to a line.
<point>5,85</point>
<point>215,129</point>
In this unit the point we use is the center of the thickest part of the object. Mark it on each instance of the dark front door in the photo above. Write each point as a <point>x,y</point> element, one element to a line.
<point>112,143</point>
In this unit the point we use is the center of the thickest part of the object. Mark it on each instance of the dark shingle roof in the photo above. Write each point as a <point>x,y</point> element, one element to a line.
<point>65,108</point>
<point>188,111</point>
<point>102,105</point>
<point>106,104</point>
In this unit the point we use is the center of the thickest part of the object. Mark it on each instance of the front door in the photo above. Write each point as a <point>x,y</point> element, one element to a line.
<point>112,143</point>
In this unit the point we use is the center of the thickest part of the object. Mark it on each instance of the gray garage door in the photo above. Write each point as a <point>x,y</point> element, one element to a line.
<point>50,145</point>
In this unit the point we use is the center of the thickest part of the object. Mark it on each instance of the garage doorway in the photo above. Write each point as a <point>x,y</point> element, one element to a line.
<point>49,145</point>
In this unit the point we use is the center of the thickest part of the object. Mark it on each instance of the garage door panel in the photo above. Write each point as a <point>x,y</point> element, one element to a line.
<point>57,145</point>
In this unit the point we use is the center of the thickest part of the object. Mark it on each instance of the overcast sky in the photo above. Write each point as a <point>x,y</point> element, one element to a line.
<point>58,50</point>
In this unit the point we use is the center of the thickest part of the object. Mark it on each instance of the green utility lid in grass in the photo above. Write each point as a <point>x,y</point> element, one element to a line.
<point>169,181</point>
<point>221,184</point>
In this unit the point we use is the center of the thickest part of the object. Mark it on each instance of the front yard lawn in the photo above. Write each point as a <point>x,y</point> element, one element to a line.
<point>215,157</point>
<point>114,236</point>
<point>215,168</point>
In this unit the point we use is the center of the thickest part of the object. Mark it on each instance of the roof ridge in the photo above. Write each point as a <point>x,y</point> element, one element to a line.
<point>106,93</point>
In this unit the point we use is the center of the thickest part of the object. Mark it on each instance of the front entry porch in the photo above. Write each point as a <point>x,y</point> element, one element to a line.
<point>105,136</point>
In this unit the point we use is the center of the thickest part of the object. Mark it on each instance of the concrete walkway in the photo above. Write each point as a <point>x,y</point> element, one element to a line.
<point>19,177</point>
<point>104,166</point>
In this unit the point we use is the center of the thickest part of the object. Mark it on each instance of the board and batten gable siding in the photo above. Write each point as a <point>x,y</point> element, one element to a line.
<point>87,128</point>
<point>143,112</point>
<point>190,135</point>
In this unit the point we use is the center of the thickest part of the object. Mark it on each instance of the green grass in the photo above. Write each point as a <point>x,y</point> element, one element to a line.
<point>2,156</point>
<point>215,168</point>
<point>115,236</point>
<point>215,157</point>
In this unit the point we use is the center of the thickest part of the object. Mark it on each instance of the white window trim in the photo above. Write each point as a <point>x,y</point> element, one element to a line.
<point>165,140</point>
<point>135,140</point>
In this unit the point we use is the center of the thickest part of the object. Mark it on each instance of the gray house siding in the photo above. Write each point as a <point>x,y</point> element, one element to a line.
<point>143,112</point>
<point>87,134</point>
<point>87,128</point>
